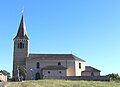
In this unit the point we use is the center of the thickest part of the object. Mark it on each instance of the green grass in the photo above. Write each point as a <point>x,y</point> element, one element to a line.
<point>62,83</point>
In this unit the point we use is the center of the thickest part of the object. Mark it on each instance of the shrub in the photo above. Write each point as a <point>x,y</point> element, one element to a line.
<point>1,81</point>
<point>114,76</point>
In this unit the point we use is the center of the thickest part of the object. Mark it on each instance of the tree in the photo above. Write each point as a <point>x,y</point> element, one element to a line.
<point>22,71</point>
<point>114,76</point>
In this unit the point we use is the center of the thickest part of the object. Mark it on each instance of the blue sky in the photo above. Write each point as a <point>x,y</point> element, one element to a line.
<point>90,29</point>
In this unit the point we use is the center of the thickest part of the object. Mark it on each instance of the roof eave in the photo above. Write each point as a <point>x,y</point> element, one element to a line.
<point>77,58</point>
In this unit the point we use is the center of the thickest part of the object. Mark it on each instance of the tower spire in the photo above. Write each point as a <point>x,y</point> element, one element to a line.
<point>22,33</point>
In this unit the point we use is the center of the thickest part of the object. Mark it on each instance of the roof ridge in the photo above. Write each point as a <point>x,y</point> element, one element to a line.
<point>93,68</point>
<point>48,54</point>
<point>55,57</point>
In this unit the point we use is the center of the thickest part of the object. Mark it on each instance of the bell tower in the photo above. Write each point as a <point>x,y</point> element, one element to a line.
<point>21,47</point>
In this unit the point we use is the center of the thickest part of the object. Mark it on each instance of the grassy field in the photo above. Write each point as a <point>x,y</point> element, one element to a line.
<point>62,83</point>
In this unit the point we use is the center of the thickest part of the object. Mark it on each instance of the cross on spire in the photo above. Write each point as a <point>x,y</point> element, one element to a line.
<point>22,10</point>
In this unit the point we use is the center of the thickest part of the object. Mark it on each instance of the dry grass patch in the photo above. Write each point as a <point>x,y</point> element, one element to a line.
<point>62,83</point>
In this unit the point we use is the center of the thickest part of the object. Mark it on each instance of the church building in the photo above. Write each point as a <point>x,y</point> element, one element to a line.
<point>40,66</point>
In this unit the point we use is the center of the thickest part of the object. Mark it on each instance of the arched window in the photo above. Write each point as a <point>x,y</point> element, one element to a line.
<point>48,72</point>
<point>37,76</point>
<point>18,45</point>
<point>60,72</point>
<point>37,65</point>
<point>21,44</point>
<point>80,65</point>
<point>92,74</point>
<point>59,63</point>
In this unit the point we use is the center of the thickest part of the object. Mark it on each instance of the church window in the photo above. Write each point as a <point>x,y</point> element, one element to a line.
<point>21,44</point>
<point>37,65</point>
<point>48,72</point>
<point>92,74</point>
<point>59,63</point>
<point>18,45</point>
<point>60,72</point>
<point>80,65</point>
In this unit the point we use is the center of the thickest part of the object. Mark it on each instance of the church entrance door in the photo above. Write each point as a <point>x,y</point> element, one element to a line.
<point>37,76</point>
